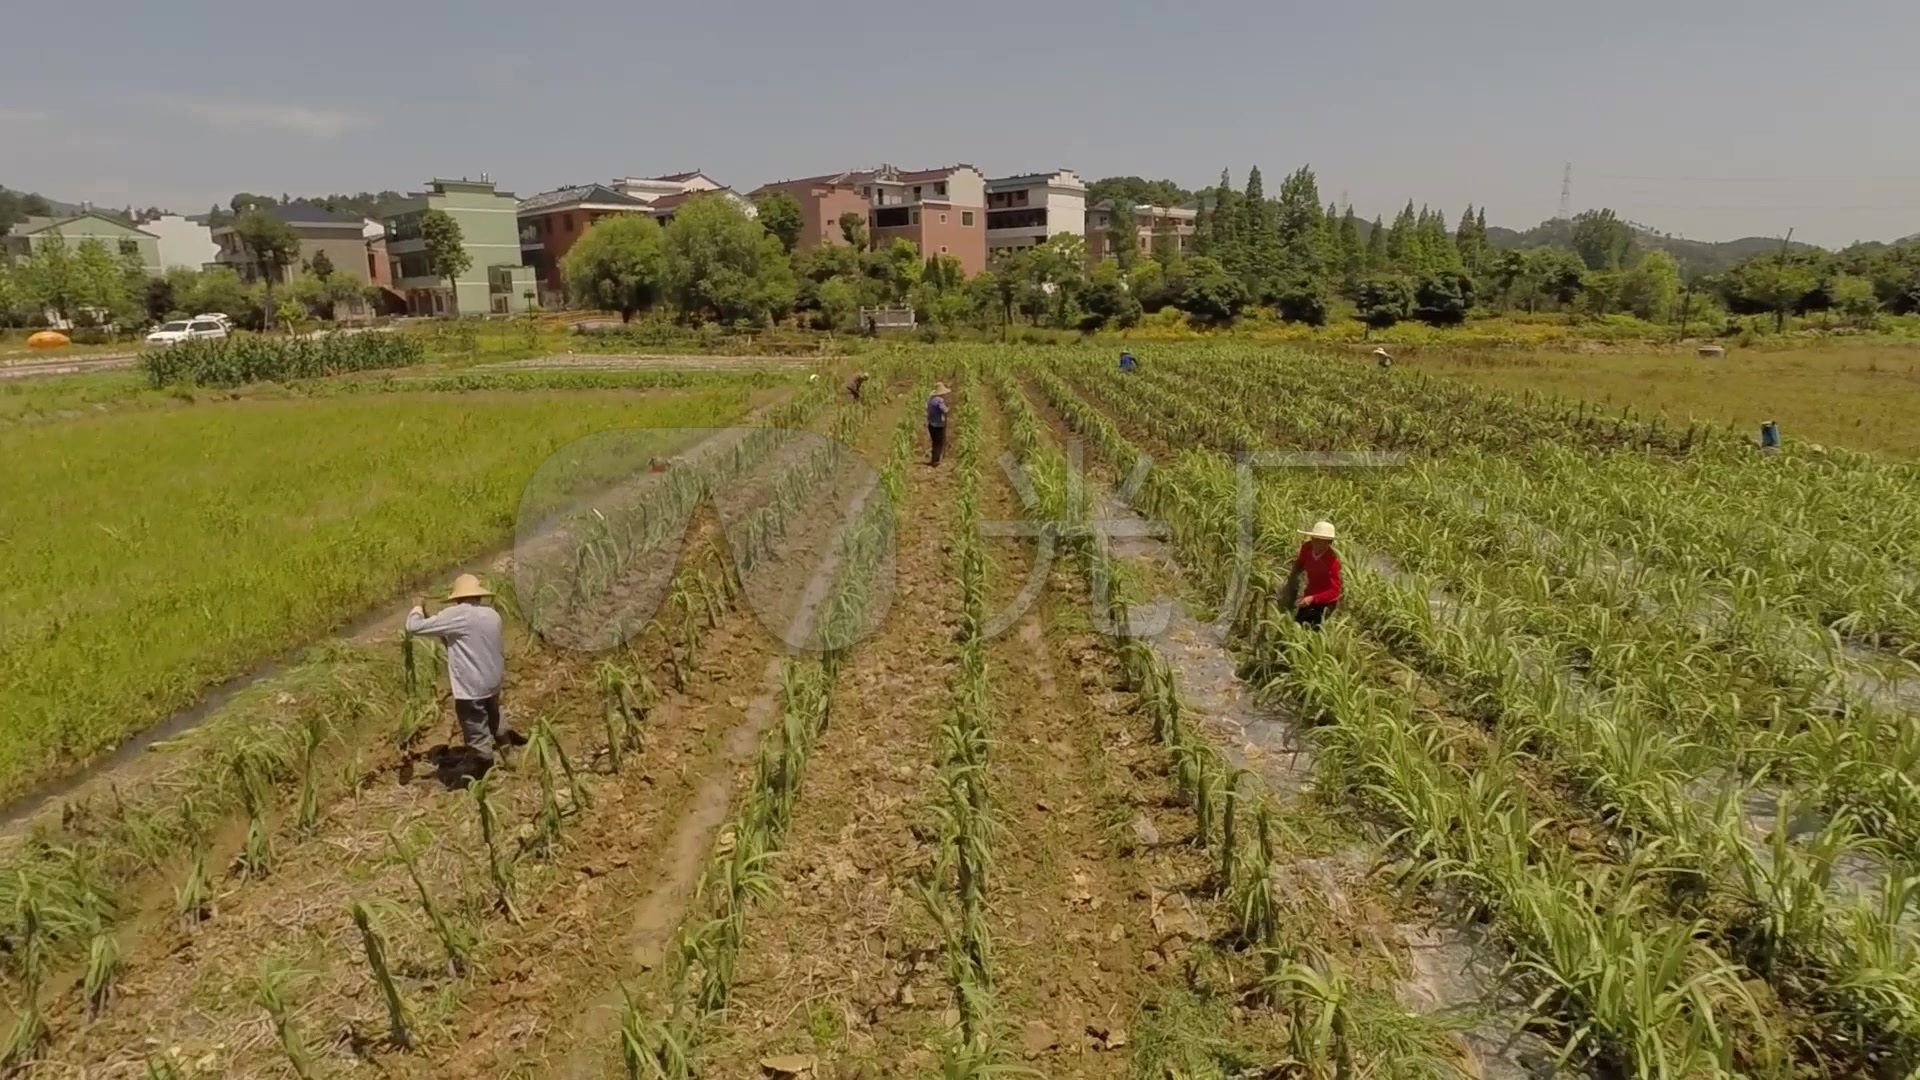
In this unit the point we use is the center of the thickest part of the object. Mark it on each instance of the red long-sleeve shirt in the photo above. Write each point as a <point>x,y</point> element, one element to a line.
<point>1323,574</point>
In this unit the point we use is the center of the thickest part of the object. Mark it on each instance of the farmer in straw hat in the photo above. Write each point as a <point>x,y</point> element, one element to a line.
<point>857,383</point>
<point>1383,358</point>
<point>937,420</point>
<point>476,661</point>
<point>1321,568</point>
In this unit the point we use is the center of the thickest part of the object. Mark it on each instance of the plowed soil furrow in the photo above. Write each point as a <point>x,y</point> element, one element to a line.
<point>842,962</point>
<point>556,1014</point>
<point>188,992</point>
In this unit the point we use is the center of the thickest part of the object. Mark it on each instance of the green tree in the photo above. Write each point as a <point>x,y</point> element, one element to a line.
<point>839,304</point>
<point>1601,239</point>
<point>219,290</point>
<point>1107,300</point>
<point>1438,254</point>
<point>1301,297</point>
<point>1375,258</point>
<point>47,277</point>
<point>619,263</point>
<point>1778,284</point>
<point>1123,235</point>
<point>1402,251</point>
<point>1442,297</point>
<point>1059,265</point>
<point>1299,223</point>
<point>1383,300</point>
<point>1350,256</point>
<point>1262,257</point>
<point>321,265</point>
<point>780,215</point>
<point>853,229</point>
<point>320,297</point>
<point>1853,297</point>
<point>723,267</point>
<point>1166,242</point>
<point>246,202</point>
<point>1600,291</point>
<point>1208,293</point>
<point>1135,191</point>
<point>1558,273</point>
<point>1510,270</point>
<point>1649,289</point>
<point>1470,240</point>
<point>1226,243</point>
<point>273,244</point>
<point>447,254</point>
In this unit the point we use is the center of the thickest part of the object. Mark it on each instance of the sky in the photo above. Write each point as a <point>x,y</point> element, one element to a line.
<point>1705,118</point>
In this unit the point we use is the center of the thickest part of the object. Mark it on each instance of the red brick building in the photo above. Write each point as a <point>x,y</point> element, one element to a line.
<point>940,211</point>
<point>552,221</point>
<point>822,199</point>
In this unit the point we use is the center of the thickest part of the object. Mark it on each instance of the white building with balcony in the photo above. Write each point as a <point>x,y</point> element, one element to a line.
<point>1023,211</point>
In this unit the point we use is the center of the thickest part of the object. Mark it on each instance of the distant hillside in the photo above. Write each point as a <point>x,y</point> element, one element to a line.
<point>1698,256</point>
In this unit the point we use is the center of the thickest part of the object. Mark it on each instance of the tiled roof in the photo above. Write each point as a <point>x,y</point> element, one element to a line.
<point>823,178</point>
<point>677,178</point>
<point>584,193</point>
<point>303,214</point>
<point>669,202</point>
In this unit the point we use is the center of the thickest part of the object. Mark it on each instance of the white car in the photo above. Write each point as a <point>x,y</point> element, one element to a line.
<point>187,330</point>
<point>216,317</point>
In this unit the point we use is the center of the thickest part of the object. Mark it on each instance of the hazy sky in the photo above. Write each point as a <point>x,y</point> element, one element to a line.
<point>1708,118</point>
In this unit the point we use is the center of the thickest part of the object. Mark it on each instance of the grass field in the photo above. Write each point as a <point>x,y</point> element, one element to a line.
<point>1861,397</point>
<point>1606,755</point>
<point>152,553</point>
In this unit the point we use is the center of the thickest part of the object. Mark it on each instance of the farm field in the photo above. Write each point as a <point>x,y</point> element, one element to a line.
<point>152,554</point>
<point>1861,397</point>
<point>1015,766</point>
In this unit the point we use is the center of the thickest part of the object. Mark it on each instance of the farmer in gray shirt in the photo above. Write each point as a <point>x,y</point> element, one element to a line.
<point>476,661</point>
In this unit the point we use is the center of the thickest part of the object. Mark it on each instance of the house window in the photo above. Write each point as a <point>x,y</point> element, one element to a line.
<point>913,217</point>
<point>966,218</point>
<point>916,192</point>
<point>567,221</point>
<point>943,249</point>
<point>940,189</point>
<point>943,219</point>
<point>129,247</point>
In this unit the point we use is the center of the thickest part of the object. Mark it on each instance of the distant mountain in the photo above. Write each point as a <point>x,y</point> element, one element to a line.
<point>1695,256</point>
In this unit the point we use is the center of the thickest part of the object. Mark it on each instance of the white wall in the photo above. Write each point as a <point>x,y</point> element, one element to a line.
<point>182,242</point>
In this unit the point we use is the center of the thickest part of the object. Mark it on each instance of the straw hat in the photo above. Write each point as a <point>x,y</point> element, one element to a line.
<point>941,388</point>
<point>467,587</point>
<point>1381,352</point>
<point>1322,530</point>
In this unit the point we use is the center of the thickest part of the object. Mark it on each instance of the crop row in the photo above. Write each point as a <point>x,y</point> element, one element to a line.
<point>664,1042</point>
<point>1635,989</point>
<point>248,358</point>
<point>1629,628</point>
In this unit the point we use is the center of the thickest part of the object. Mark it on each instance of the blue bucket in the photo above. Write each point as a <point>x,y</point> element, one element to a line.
<point>1770,436</point>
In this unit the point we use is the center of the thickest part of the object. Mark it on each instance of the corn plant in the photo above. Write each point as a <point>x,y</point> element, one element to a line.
<point>1318,1028</point>
<point>307,817</point>
<point>270,993</point>
<point>376,951</point>
<point>455,938</point>
<point>193,898</point>
<point>499,867</point>
<point>104,966</point>
<point>29,1031</point>
<point>653,1049</point>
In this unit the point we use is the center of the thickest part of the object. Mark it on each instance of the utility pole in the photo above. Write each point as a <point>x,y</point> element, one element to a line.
<point>1566,194</point>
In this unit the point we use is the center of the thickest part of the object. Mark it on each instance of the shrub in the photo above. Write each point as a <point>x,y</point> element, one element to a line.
<point>246,359</point>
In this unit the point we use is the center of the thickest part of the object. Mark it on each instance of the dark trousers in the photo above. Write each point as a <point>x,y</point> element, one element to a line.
<point>1313,614</point>
<point>937,436</point>
<point>479,723</point>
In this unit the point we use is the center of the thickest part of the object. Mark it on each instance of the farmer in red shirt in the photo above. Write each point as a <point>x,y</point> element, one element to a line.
<point>1321,593</point>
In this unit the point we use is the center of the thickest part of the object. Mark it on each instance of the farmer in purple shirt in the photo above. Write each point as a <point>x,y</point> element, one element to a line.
<point>937,420</point>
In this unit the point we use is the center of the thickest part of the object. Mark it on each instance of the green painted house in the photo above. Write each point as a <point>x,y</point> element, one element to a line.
<point>119,238</point>
<point>497,282</point>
